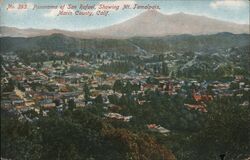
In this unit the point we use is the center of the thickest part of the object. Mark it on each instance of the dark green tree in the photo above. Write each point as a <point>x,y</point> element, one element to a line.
<point>118,86</point>
<point>71,104</point>
<point>86,92</point>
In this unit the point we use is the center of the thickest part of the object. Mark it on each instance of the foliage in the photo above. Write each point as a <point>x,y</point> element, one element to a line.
<point>75,135</point>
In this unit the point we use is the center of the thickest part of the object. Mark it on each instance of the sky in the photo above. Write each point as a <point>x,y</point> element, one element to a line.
<point>236,11</point>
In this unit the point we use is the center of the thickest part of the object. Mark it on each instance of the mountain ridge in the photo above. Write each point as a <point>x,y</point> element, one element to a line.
<point>150,23</point>
<point>60,42</point>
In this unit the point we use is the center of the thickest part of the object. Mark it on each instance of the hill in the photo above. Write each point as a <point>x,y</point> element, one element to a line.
<point>59,42</point>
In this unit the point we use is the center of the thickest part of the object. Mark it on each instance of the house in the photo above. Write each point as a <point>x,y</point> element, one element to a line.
<point>69,95</point>
<point>198,97</point>
<point>158,128</point>
<point>245,104</point>
<point>198,107</point>
<point>59,54</point>
<point>141,102</point>
<point>29,103</point>
<point>147,86</point>
<point>239,78</point>
<point>47,104</point>
<point>6,104</point>
<point>118,116</point>
<point>16,101</point>
<point>4,80</point>
<point>27,87</point>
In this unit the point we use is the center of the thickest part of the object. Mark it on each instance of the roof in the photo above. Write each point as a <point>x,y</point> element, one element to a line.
<point>198,107</point>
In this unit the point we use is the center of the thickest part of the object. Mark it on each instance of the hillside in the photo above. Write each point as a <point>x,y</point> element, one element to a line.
<point>59,42</point>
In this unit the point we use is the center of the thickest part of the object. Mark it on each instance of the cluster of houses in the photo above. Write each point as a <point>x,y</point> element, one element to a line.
<point>53,84</point>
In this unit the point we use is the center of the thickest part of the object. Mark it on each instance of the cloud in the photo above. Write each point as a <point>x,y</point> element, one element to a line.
<point>229,4</point>
<point>54,12</point>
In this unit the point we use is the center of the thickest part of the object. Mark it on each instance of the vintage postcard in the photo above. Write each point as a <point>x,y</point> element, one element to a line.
<point>125,79</point>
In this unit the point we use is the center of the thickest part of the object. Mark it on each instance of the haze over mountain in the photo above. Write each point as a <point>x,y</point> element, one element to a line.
<point>148,24</point>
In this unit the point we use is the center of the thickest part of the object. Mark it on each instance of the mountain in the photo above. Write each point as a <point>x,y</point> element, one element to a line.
<point>148,24</point>
<point>30,32</point>
<point>155,24</point>
<point>59,42</point>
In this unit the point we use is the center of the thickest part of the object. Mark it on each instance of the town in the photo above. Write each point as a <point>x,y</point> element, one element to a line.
<point>79,83</point>
<point>93,94</point>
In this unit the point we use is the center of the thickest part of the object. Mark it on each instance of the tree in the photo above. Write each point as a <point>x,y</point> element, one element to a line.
<point>86,92</point>
<point>128,88</point>
<point>75,135</point>
<point>57,102</point>
<point>113,99</point>
<point>72,54</point>
<point>165,68</point>
<point>118,85</point>
<point>10,86</point>
<point>99,99</point>
<point>71,104</point>
<point>226,130</point>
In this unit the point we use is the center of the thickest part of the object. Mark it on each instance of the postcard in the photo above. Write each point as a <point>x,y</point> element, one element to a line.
<point>125,79</point>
